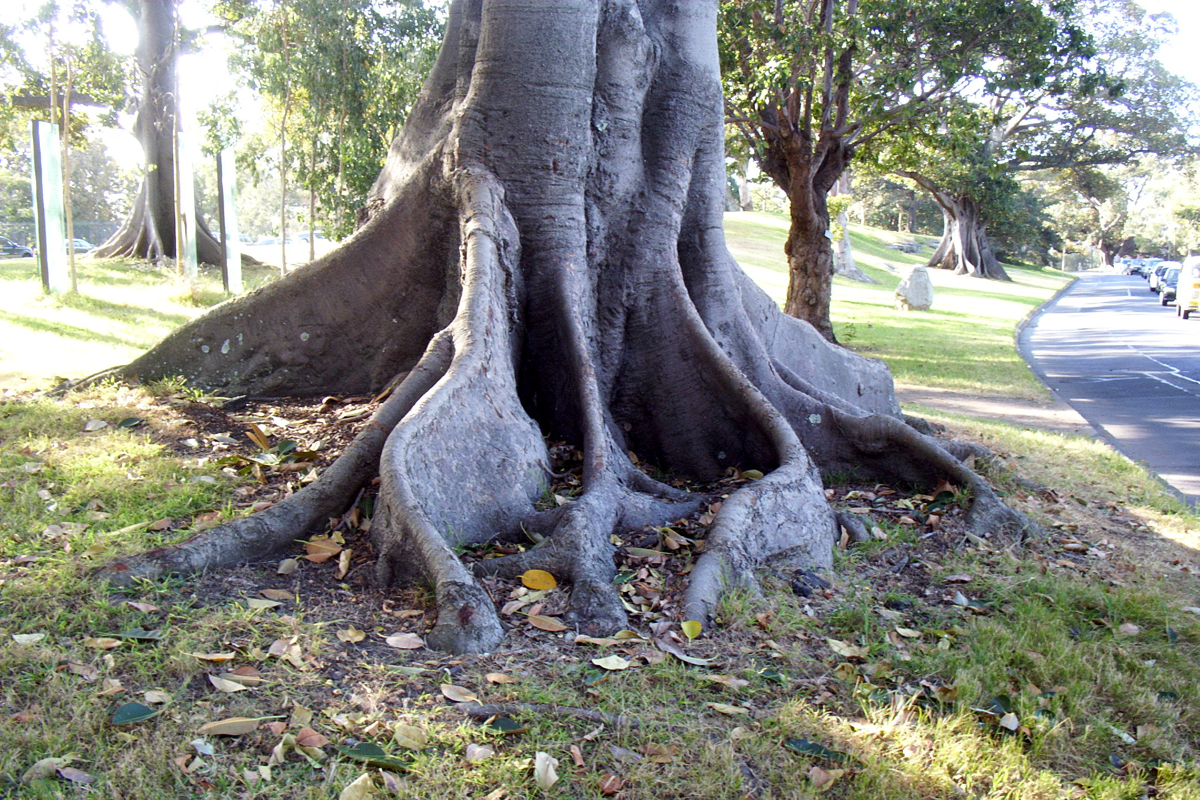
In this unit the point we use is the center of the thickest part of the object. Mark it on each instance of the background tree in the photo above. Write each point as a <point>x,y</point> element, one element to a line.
<point>148,232</point>
<point>1090,207</point>
<point>1116,105</point>
<point>883,201</point>
<point>543,257</point>
<point>336,102</point>
<point>56,65</point>
<point>810,82</point>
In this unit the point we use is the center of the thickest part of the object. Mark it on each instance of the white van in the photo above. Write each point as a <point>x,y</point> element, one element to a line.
<point>1187,292</point>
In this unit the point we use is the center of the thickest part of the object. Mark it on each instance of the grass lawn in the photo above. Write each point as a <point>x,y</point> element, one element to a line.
<point>121,309</point>
<point>933,665</point>
<point>964,343</point>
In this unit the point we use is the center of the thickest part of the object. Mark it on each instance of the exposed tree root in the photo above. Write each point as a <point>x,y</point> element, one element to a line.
<point>553,248</point>
<point>277,527</point>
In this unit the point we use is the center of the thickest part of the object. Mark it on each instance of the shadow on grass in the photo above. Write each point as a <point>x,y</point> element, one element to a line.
<point>122,312</point>
<point>65,331</point>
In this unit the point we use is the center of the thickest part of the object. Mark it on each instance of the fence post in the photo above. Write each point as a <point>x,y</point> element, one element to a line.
<point>186,240</point>
<point>231,245</point>
<point>48,207</point>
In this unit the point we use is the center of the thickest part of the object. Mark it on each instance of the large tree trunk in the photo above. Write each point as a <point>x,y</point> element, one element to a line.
<point>806,171</point>
<point>964,248</point>
<point>544,255</point>
<point>149,230</point>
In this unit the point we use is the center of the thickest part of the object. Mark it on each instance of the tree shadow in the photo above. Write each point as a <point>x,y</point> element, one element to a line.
<point>65,331</point>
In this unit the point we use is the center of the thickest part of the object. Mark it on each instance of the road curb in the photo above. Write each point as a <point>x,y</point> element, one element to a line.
<point>1037,312</point>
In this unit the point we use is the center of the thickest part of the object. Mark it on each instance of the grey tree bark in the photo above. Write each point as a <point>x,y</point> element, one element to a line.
<point>544,255</point>
<point>149,230</point>
<point>964,247</point>
<point>843,253</point>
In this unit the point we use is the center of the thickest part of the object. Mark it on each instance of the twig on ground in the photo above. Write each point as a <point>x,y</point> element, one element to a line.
<point>480,711</point>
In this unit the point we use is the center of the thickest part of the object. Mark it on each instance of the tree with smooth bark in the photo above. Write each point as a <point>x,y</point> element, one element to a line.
<point>546,257</point>
<point>148,232</point>
<point>810,82</point>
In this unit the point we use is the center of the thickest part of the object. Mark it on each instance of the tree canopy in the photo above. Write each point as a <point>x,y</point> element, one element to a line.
<point>1111,104</point>
<point>338,100</point>
<point>810,83</point>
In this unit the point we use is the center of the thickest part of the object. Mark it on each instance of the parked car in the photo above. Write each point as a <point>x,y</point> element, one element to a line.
<point>1168,283</point>
<point>1157,273</point>
<point>1187,294</point>
<point>81,245</point>
<point>10,249</point>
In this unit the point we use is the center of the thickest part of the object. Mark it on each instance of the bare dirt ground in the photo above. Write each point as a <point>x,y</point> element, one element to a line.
<point>1052,415</point>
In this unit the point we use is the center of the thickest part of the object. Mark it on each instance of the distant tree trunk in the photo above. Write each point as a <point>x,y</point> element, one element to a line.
<point>745,199</point>
<point>287,104</point>
<point>909,208</point>
<point>843,253</point>
<point>964,247</point>
<point>149,230</point>
<point>66,161</point>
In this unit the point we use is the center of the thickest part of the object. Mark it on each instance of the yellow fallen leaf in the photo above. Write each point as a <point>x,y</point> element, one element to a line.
<point>846,650</point>
<point>362,788</point>
<point>321,550</point>
<point>351,635</point>
<point>604,641</point>
<point>499,677</point>
<point>458,694</point>
<point>479,752</point>
<point>691,628</point>
<point>410,736</point>
<point>660,754</point>
<point>247,676</point>
<point>727,681</point>
<point>546,623</point>
<point>823,779</point>
<point>282,595</point>
<point>102,642</point>
<point>725,708</point>
<point>233,726</point>
<point>538,580</point>
<point>343,563</point>
<point>226,685</point>
<point>611,663</point>
<point>28,638</point>
<point>544,770</point>
<point>405,641</point>
<point>216,657</point>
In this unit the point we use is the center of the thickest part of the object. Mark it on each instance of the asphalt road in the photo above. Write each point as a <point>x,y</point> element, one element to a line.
<point>1130,367</point>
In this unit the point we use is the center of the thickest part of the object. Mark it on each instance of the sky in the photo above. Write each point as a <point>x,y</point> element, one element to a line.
<point>1179,56</point>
